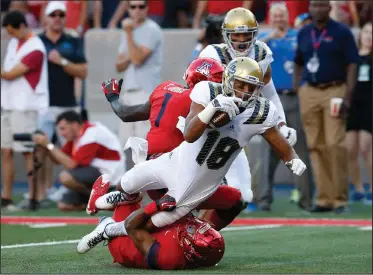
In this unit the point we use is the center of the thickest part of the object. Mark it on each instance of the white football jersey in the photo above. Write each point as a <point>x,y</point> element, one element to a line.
<point>260,52</point>
<point>202,165</point>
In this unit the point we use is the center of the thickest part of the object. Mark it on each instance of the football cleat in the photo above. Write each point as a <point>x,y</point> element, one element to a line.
<point>99,188</point>
<point>116,198</point>
<point>92,239</point>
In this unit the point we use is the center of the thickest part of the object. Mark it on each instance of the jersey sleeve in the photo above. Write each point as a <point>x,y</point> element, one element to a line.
<point>210,51</point>
<point>266,57</point>
<point>201,93</point>
<point>271,120</point>
<point>68,148</point>
<point>185,103</point>
<point>33,60</point>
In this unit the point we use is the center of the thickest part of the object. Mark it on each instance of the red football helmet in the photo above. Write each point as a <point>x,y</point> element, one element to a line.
<point>203,69</point>
<point>203,245</point>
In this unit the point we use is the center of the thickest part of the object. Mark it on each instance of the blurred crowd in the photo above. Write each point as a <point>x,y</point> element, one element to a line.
<point>346,134</point>
<point>83,15</point>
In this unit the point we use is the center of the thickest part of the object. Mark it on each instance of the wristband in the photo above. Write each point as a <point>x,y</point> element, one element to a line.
<point>206,115</point>
<point>151,208</point>
<point>112,97</point>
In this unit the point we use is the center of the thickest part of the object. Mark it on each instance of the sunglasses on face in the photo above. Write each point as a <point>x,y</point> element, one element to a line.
<point>141,7</point>
<point>61,15</point>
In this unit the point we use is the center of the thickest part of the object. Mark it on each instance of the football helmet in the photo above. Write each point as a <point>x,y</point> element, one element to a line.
<point>203,245</point>
<point>240,20</point>
<point>203,69</point>
<point>247,70</point>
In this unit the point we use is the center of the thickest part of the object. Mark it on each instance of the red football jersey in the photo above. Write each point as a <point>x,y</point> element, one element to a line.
<point>168,101</point>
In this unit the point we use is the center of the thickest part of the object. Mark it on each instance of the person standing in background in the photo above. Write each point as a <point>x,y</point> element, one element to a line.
<point>77,16</point>
<point>325,63</point>
<point>282,42</point>
<point>216,8</point>
<point>108,14</point>
<point>294,8</point>
<point>359,121</point>
<point>24,91</point>
<point>66,61</point>
<point>140,58</point>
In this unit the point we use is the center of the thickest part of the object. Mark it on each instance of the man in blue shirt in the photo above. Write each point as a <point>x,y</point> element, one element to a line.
<point>325,64</point>
<point>282,41</point>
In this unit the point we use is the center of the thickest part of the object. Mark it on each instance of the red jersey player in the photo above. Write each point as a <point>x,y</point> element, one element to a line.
<point>188,243</point>
<point>167,102</point>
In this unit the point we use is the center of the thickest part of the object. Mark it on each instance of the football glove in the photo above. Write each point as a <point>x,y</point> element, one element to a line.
<point>226,104</point>
<point>297,166</point>
<point>111,89</point>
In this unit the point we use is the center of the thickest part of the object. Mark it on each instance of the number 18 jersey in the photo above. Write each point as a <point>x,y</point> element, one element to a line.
<point>201,165</point>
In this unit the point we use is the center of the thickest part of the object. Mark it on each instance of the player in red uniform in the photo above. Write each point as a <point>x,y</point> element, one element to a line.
<point>167,102</point>
<point>188,243</point>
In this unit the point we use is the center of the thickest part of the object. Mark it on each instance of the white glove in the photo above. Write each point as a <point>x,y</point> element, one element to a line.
<point>290,134</point>
<point>181,124</point>
<point>297,166</point>
<point>226,104</point>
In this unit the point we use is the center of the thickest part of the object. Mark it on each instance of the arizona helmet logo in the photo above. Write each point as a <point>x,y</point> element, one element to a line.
<point>204,68</point>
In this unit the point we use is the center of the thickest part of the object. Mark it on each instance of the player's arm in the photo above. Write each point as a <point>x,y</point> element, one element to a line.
<point>269,91</point>
<point>131,113</point>
<point>138,225</point>
<point>199,116</point>
<point>111,89</point>
<point>194,126</point>
<point>283,149</point>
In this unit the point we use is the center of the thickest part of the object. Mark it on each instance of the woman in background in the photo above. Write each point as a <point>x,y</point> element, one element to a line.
<point>359,121</point>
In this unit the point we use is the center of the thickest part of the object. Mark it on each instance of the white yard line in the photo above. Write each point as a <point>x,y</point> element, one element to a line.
<point>38,244</point>
<point>238,228</point>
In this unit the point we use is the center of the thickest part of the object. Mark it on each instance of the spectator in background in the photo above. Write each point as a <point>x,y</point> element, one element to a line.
<point>176,13</point>
<point>216,8</point>
<point>77,16</point>
<point>90,151</point>
<point>325,62</point>
<point>361,12</point>
<point>24,91</point>
<point>23,7</point>
<point>66,61</point>
<point>282,42</point>
<point>340,12</point>
<point>302,20</point>
<point>140,58</point>
<point>211,34</point>
<point>295,8</point>
<point>359,122</point>
<point>108,14</point>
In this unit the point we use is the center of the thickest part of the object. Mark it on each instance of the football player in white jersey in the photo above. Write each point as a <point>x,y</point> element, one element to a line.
<point>194,170</point>
<point>239,31</point>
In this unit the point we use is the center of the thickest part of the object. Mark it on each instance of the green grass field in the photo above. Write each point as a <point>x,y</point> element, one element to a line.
<point>286,249</point>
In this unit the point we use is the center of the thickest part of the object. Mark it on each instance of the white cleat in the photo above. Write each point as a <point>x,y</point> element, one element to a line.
<point>116,198</point>
<point>92,239</point>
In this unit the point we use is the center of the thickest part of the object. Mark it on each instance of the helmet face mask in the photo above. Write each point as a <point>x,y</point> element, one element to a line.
<point>243,78</point>
<point>240,21</point>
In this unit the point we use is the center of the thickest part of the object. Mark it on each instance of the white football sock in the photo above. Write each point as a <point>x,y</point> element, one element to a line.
<point>116,229</point>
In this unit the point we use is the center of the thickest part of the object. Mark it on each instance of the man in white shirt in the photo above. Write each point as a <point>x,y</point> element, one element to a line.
<point>24,92</point>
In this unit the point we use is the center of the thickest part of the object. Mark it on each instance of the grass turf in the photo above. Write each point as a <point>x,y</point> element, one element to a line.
<point>277,250</point>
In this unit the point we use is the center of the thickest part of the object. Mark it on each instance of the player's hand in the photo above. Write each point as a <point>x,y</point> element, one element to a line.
<point>166,203</point>
<point>181,124</point>
<point>227,104</point>
<point>111,89</point>
<point>290,134</point>
<point>297,166</point>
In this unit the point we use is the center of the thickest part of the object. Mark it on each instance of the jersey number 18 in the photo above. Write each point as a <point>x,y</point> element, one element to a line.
<point>221,154</point>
